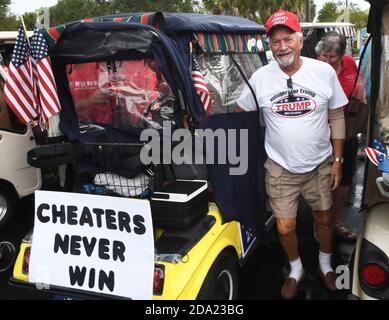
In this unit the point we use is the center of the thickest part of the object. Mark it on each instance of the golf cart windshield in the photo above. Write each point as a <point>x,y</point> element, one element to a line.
<point>225,81</point>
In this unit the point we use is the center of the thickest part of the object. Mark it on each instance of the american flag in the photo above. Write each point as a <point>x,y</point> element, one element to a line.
<point>374,155</point>
<point>201,86</point>
<point>47,88</point>
<point>379,146</point>
<point>19,89</point>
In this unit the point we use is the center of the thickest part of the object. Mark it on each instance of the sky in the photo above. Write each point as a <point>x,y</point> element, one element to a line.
<point>21,6</point>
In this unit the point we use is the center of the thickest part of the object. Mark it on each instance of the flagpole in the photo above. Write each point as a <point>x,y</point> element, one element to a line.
<point>25,30</point>
<point>190,55</point>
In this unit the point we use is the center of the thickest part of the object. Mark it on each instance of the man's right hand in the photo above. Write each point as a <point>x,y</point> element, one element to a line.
<point>336,175</point>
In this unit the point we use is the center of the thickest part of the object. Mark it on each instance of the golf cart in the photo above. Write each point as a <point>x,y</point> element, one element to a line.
<point>117,77</point>
<point>369,265</point>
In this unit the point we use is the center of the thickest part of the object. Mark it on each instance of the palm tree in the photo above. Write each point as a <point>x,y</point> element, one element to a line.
<point>268,7</point>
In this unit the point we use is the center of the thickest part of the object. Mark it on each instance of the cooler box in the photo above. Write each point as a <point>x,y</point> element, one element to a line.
<point>179,203</point>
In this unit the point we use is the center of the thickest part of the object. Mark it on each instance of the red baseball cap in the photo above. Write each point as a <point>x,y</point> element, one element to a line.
<point>284,18</point>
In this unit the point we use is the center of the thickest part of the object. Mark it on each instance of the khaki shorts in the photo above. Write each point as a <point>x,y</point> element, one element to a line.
<point>283,188</point>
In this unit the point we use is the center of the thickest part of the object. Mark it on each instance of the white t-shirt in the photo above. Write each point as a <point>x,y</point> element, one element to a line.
<point>297,131</point>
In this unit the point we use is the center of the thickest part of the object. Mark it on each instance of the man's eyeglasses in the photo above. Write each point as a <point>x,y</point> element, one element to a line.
<point>289,83</point>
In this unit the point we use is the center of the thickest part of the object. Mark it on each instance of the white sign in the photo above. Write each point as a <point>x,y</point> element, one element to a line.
<point>94,243</point>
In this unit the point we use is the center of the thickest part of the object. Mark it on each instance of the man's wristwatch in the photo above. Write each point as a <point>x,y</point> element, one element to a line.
<point>339,160</point>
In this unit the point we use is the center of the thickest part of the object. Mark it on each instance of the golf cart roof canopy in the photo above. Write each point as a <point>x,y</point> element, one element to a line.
<point>345,28</point>
<point>305,25</point>
<point>215,34</point>
<point>187,22</point>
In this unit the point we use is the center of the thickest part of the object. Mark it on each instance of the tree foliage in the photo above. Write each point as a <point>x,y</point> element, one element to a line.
<point>4,20</point>
<point>359,18</point>
<point>258,10</point>
<point>4,4</point>
<point>71,10</point>
<point>332,10</point>
<point>9,23</point>
<point>329,12</point>
<point>30,19</point>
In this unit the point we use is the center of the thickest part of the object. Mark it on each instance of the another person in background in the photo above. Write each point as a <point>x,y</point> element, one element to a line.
<point>366,65</point>
<point>303,97</point>
<point>331,49</point>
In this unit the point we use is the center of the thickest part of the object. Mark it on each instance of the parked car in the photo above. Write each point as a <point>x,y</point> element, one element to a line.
<point>17,178</point>
<point>150,59</point>
<point>369,265</point>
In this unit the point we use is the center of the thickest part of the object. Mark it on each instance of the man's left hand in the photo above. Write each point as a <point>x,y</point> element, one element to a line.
<point>336,175</point>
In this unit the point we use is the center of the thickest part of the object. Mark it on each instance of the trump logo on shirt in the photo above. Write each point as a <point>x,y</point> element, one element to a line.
<point>294,106</point>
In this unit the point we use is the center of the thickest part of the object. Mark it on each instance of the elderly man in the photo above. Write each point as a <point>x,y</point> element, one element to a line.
<point>301,99</point>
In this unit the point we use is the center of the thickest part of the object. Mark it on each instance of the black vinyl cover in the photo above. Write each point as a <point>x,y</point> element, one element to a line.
<point>241,197</point>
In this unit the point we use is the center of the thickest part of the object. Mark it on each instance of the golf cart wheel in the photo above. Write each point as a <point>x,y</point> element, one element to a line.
<point>7,205</point>
<point>7,255</point>
<point>221,282</point>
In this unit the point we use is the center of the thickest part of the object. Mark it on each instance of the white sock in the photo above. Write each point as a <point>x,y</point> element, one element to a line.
<point>296,269</point>
<point>325,262</point>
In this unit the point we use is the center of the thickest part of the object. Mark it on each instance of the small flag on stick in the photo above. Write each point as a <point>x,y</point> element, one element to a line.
<point>201,86</point>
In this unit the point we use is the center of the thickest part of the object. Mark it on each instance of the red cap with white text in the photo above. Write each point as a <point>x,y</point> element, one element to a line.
<point>284,18</point>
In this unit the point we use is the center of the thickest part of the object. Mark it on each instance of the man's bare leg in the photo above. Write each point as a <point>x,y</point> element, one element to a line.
<point>287,234</point>
<point>324,229</point>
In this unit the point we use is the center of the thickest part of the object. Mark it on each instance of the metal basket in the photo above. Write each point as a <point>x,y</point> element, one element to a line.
<point>110,183</point>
